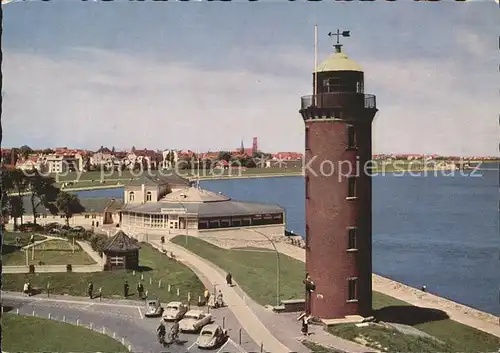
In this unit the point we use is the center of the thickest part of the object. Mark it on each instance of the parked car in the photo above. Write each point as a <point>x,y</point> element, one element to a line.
<point>211,336</point>
<point>174,311</point>
<point>153,308</point>
<point>30,227</point>
<point>78,229</point>
<point>52,225</point>
<point>54,231</point>
<point>194,320</point>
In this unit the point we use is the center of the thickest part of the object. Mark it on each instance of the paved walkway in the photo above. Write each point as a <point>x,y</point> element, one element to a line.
<point>92,253</point>
<point>247,319</point>
<point>97,267</point>
<point>47,238</point>
<point>460,313</point>
<point>284,327</point>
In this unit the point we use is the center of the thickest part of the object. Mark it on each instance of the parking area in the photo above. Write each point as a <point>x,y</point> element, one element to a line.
<point>128,321</point>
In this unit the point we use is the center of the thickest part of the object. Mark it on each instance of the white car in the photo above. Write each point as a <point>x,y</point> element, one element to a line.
<point>211,336</point>
<point>194,320</point>
<point>174,311</point>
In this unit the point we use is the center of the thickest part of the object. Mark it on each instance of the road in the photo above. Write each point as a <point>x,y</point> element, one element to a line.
<point>125,320</point>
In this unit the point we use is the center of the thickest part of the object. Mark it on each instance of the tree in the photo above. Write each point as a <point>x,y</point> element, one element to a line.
<point>14,155</point>
<point>68,205</point>
<point>48,151</point>
<point>25,151</point>
<point>15,208</point>
<point>224,155</point>
<point>43,193</point>
<point>14,181</point>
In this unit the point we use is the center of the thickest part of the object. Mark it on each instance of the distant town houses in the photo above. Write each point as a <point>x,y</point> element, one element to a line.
<point>63,159</point>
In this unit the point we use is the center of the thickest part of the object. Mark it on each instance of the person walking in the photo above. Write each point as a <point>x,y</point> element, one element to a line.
<point>305,324</point>
<point>206,295</point>
<point>25,289</point>
<point>140,290</point>
<point>125,289</point>
<point>90,290</point>
<point>229,279</point>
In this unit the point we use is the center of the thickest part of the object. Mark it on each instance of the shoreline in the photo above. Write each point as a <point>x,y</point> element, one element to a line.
<point>481,320</point>
<point>255,176</point>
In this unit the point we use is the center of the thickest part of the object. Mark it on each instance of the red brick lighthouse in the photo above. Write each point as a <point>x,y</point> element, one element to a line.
<point>338,144</point>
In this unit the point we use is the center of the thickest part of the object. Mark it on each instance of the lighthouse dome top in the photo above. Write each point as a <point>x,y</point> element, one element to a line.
<point>338,61</point>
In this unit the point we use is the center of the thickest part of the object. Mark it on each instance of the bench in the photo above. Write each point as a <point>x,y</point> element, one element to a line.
<point>293,305</point>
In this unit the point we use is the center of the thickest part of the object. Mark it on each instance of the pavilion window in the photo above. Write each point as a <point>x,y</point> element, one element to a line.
<point>131,196</point>
<point>149,196</point>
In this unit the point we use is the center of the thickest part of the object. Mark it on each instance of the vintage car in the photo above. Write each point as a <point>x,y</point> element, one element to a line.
<point>211,336</point>
<point>153,308</point>
<point>194,320</point>
<point>174,311</point>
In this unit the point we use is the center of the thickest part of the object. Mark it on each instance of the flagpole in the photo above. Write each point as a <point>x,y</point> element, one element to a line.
<point>315,63</point>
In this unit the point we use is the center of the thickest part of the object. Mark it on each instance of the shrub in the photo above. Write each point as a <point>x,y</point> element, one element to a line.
<point>98,241</point>
<point>69,268</point>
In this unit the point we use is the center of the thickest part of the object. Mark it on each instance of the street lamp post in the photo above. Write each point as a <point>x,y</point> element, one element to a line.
<point>277,263</point>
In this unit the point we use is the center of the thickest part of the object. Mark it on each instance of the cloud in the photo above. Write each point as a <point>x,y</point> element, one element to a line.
<point>103,98</point>
<point>91,97</point>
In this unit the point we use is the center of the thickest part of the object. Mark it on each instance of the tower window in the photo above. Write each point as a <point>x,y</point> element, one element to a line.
<point>351,137</point>
<point>352,187</point>
<point>359,87</point>
<point>351,235</point>
<point>332,84</point>
<point>307,187</point>
<point>352,288</point>
<point>307,236</point>
<point>131,196</point>
<point>307,138</point>
<point>149,196</point>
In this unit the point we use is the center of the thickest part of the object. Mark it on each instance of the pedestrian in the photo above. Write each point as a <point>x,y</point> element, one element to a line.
<point>90,289</point>
<point>125,289</point>
<point>206,295</point>
<point>229,279</point>
<point>305,325</point>
<point>140,290</point>
<point>29,289</point>
<point>424,288</point>
<point>25,289</point>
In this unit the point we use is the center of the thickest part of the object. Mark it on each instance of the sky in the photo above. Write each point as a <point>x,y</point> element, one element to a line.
<point>205,75</point>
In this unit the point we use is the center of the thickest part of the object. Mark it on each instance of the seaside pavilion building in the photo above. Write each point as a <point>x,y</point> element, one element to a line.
<point>198,212</point>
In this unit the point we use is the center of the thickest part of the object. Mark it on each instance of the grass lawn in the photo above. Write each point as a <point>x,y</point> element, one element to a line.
<point>50,252</point>
<point>255,272</point>
<point>153,265</point>
<point>33,334</point>
<point>9,238</point>
<point>319,349</point>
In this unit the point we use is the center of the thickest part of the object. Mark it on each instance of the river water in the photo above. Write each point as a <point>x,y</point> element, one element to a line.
<point>441,231</point>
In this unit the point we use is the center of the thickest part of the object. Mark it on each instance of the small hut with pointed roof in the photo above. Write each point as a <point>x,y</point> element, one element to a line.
<point>122,252</point>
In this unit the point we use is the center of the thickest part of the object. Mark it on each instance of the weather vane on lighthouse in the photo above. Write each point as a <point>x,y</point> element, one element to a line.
<point>338,35</point>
